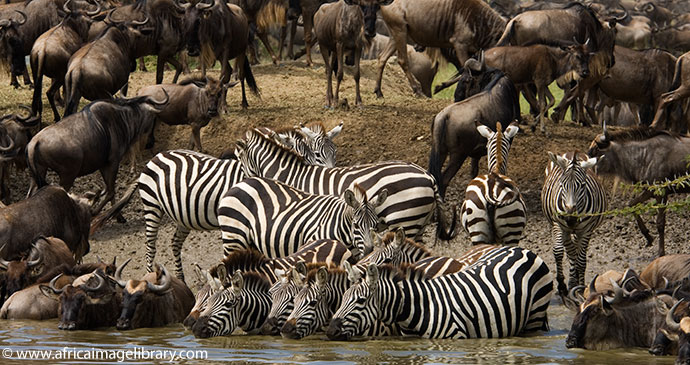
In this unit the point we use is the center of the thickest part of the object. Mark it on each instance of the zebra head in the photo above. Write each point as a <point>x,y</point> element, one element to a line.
<point>282,294</point>
<point>243,304</point>
<point>359,308</point>
<point>498,144</point>
<point>572,195</point>
<point>201,297</point>
<point>386,250</point>
<point>295,141</point>
<point>311,308</point>
<point>321,143</point>
<point>364,217</point>
<point>250,166</point>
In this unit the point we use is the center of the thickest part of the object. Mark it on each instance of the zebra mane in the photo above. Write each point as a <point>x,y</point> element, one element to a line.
<point>245,260</point>
<point>404,271</point>
<point>253,279</point>
<point>332,270</point>
<point>317,127</point>
<point>253,134</point>
<point>639,133</point>
<point>407,245</point>
<point>497,146</point>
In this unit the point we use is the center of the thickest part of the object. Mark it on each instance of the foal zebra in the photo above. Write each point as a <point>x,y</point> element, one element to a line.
<point>570,189</point>
<point>504,294</point>
<point>493,210</point>
<point>320,251</point>
<point>187,186</point>
<point>413,192</point>
<point>277,219</point>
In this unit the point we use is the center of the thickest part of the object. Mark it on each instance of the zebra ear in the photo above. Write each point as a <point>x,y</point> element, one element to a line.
<point>375,238</point>
<point>372,275</point>
<point>237,281</point>
<point>350,199</point>
<point>301,268</point>
<point>380,198</point>
<point>558,160</point>
<point>222,274</point>
<point>212,282</point>
<point>297,277</point>
<point>590,162</point>
<point>307,132</point>
<point>322,277</point>
<point>352,275</point>
<point>283,140</point>
<point>485,131</point>
<point>335,131</point>
<point>399,237</point>
<point>280,274</point>
<point>512,130</point>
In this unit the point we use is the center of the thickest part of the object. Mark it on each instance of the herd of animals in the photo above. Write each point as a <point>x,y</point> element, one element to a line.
<point>309,246</point>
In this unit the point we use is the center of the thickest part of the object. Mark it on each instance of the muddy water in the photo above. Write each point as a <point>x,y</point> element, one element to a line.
<point>545,348</point>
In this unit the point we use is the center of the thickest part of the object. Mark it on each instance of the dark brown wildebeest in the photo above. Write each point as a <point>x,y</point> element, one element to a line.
<point>45,254</point>
<point>679,90</point>
<point>672,337</point>
<point>158,299</point>
<point>645,155</point>
<point>539,65</point>
<point>220,31</point>
<point>626,320</point>
<point>667,271</point>
<point>261,14</point>
<point>100,68</point>
<point>339,29</point>
<point>634,32</point>
<point>15,133</point>
<point>193,101</point>
<point>51,52</point>
<point>454,133</point>
<point>90,301</point>
<point>466,26</point>
<point>307,8</point>
<point>95,139</point>
<point>656,13</point>
<point>671,38</point>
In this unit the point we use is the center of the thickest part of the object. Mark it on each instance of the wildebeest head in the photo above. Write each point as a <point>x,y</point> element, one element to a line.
<point>192,23</point>
<point>572,182</point>
<point>667,338</point>
<point>21,273</point>
<point>682,328</point>
<point>628,319</point>
<point>13,44</point>
<point>476,77</point>
<point>136,292</point>
<point>359,308</point>
<point>79,20</point>
<point>364,218</point>
<point>369,9</point>
<point>282,293</point>
<point>76,298</point>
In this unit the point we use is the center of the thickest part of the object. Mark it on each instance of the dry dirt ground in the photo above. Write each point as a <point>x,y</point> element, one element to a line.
<point>396,127</point>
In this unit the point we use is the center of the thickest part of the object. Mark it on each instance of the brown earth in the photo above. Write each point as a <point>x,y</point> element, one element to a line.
<point>396,127</point>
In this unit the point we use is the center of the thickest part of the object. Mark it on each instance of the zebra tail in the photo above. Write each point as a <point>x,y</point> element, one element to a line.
<point>442,231</point>
<point>435,162</point>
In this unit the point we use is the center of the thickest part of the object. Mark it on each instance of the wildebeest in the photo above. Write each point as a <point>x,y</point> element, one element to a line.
<point>193,101</point>
<point>101,68</point>
<point>466,26</point>
<point>626,320</point>
<point>220,31</point>
<point>667,270</point>
<point>52,51</point>
<point>671,38</point>
<point>90,301</point>
<point>45,254</point>
<point>308,8</point>
<point>261,14</point>
<point>678,90</point>
<point>454,133</point>
<point>15,132</point>
<point>95,139</point>
<point>539,65</point>
<point>156,300</point>
<point>339,29</point>
<point>656,13</point>
<point>634,32</point>
<point>643,155</point>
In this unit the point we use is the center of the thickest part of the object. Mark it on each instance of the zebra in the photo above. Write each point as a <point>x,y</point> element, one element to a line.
<point>505,293</point>
<point>319,251</point>
<point>493,210</point>
<point>312,142</point>
<point>276,218</point>
<point>187,186</point>
<point>570,188</point>
<point>244,303</point>
<point>413,191</point>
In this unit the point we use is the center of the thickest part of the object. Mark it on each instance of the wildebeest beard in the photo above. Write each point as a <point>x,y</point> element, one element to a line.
<point>16,54</point>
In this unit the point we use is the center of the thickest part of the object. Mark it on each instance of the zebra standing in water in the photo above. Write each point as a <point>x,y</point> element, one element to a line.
<point>505,293</point>
<point>571,189</point>
<point>413,191</point>
<point>187,186</point>
<point>493,210</point>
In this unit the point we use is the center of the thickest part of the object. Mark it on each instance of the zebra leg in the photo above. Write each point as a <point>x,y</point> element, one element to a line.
<point>581,260</point>
<point>573,252</point>
<point>152,216</point>
<point>178,239</point>
<point>558,234</point>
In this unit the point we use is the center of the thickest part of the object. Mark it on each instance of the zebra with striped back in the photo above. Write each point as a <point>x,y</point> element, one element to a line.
<point>571,188</point>
<point>505,293</point>
<point>312,142</point>
<point>187,186</point>
<point>320,251</point>
<point>413,191</point>
<point>277,219</point>
<point>493,210</point>
<point>244,303</point>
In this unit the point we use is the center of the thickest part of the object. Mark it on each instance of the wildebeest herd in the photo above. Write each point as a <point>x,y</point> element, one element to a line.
<point>311,246</point>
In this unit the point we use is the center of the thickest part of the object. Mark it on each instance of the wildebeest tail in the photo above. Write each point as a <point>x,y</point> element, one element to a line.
<point>507,35</point>
<point>435,163</point>
<point>70,93</point>
<point>444,232</point>
<point>249,76</point>
<point>37,73</point>
<point>32,156</point>
<point>98,222</point>
<point>677,74</point>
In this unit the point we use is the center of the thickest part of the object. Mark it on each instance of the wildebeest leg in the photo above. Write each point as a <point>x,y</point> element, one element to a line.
<point>142,65</point>
<point>454,165</point>
<point>51,93</point>
<point>541,96</point>
<point>179,67</point>
<point>341,70</point>
<point>558,249</point>
<point>4,179</point>
<point>667,98</point>
<point>358,56</point>
<point>309,40</point>
<point>661,225</point>
<point>27,79</point>
<point>178,239</point>
<point>381,64</point>
<point>531,99</point>
<point>109,174</point>
<point>196,138</point>
<point>291,39</point>
<point>646,195</point>
<point>569,94</point>
<point>264,39</point>
<point>474,167</point>
<point>328,62</point>
<point>404,62</point>
<point>185,62</point>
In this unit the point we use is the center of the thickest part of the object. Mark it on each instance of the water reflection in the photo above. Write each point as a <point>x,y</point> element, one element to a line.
<point>546,348</point>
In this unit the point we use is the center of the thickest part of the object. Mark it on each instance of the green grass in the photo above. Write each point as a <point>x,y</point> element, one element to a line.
<point>449,71</point>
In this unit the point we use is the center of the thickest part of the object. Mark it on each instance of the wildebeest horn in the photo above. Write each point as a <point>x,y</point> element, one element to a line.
<point>179,8</point>
<point>109,18</point>
<point>9,147</point>
<point>618,292</point>
<point>99,286</point>
<point>52,284</point>
<point>202,5</point>
<point>3,262</point>
<point>30,120</point>
<point>38,259</point>
<point>20,22</point>
<point>5,23</point>
<point>665,283</point>
<point>670,321</point>
<point>574,295</point>
<point>66,8</point>
<point>625,14</point>
<point>151,100</point>
<point>163,286</point>
<point>136,22</point>
<point>592,287</point>
<point>118,273</point>
<point>98,9</point>
<point>473,65</point>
